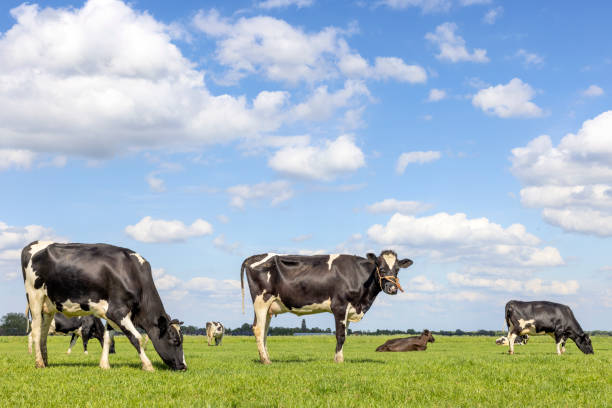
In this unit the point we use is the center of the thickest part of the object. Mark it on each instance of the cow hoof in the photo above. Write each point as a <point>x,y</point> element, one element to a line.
<point>148,367</point>
<point>68,352</point>
<point>511,352</point>
<point>39,364</point>
<point>266,362</point>
<point>105,366</point>
<point>86,352</point>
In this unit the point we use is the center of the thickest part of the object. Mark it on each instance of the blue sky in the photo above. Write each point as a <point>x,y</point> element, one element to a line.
<point>472,136</point>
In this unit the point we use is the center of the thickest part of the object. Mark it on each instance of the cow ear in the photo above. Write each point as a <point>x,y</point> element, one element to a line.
<point>162,324</point>
<point>372,257</point>
<point>404,263</point>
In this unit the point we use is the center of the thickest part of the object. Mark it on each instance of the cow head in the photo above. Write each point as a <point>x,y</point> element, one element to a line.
<point>429,335</point>
<point>388,266</point>
<point>583,341</point>
<point>168,342</point>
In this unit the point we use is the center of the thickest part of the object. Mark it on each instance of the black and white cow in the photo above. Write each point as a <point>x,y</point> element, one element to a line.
<point>214,331</point>
<point>344,285</point>
<point>107,281</point>
<point>86,327</point>
<point>542,317</point>
<point>520,340</point>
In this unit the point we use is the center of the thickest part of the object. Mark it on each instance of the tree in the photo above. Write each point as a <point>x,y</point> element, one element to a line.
<point>13,324</point>
<point>304,325</point>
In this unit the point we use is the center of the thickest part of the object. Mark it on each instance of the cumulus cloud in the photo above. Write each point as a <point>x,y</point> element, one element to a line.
<point>271,4</point>
<point>322,104</point>
<point>104,79</point>
<point>593,90</point>
<point>492,15</point>
<point>324,162</point>
<point>570,182</point>
<point>454,237</point>
<point>510,100</point>
<point>391,205</point>
<point>178,288</point>
<point>12,241</point>
<point>452,46</point>
<point>276,192</point>
<point>15,158</point>
<point>436,95</point>
<point>274,48</point>
<point>426,6</point>
<point>415,157</point>
<point>152,230</point>
<point>531,286</point>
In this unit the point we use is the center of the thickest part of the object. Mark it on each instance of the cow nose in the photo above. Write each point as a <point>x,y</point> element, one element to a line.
<point>393,289</point>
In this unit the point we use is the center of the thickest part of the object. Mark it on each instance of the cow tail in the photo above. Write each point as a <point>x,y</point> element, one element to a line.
<point>27,312</point>
<point>244,265</point>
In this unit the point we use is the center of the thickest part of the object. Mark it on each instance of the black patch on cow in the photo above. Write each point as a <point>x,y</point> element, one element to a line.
<point>85,306</point>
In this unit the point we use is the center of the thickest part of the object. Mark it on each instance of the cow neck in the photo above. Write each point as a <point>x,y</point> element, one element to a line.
<point>372,289</point>
<point>150,310</point>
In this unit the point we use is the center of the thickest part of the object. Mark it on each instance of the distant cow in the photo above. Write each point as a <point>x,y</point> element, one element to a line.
<point>214,330</point>
<point>415,343</point>
<point>554,319</point>
<point>86,327</point>
<point>107,281</point>
<point>520,340</point>
<point>344,285</point>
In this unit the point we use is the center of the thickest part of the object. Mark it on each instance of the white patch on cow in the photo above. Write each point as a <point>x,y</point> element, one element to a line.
<point>502,341</point>
<point>268,256</point>
<point>261,309</point>
<point>559,347</point>
<point>352,315</point>
<point>98,308</point>
<point>140,258</point>
<point>104,364</point>
<point>390,259</point>
<point>331,260</point>
<point>339,356</point>
<point>69,308</point>
<point>129,326</point>
<point>527,326</point>
<point>269,275</point>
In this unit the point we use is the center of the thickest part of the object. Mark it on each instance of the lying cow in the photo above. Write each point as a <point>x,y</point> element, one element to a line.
<point>107,281</point>
<point>214,330</point>
<point>554,319</point>
<point>415,343</point>
<point>86,327</point>
<point>520,340</point>
<point>344,285</point>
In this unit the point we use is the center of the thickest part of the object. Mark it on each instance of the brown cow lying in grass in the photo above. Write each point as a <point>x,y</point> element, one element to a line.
<point>417,343</point>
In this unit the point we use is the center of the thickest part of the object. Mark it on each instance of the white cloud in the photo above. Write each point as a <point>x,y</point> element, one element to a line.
<point>427,6</point>
<point>452,46</point>
<point>571,182</point>
<point>531,286</point>
<point>390,205</point>
<point>281,52</point>
<point>156,184</point>
<point>529,58</point>
<point>325,162</point>
<point>157,230</point>
<point>473,2</point>
<point>220,243</point>
<point>510,100</point>
<point>415,157</point>
<point>436,95</point>
<point>492,15</point>
<point>15,158</point>
<point>12,241</point>
<point>456,237</point>
<point>322,104</point>
<point>593,90</point>
<point>105,79</point>
<point>276,192</point>
<point>270,4</point>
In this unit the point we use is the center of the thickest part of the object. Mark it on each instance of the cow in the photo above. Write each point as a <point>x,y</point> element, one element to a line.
<point>414,343</point>
<point>344,285</point>
<point>520,340</point>
<point>542,317</point>
<point>86,327</point>
<point>103,280</point>
<point>214,330</point>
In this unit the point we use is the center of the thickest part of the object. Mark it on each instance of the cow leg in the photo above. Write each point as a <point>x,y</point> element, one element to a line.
<point>30,341</point>
<point>73,341</point>
<point>559,340</point>
<point>340,317</point>
<point>268,320</point>
<point>209,340</point>
<point>136,339</point>
<point>259,326</point>
<point>104,364</point>
<point>563,346</point>
<point>47,318</point>
<point>511,337</point>
<point>85,341</point>
<point>112,342</point>
<point>35,300</point>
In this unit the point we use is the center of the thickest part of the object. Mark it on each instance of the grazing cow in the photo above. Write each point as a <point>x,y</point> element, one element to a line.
<point>520,340</point>
<point>87,327</point>
<point>554,319</point>
<point>107,281</point>
<point>344,285</point>
<point>415,343</point>
<point>214,330</point>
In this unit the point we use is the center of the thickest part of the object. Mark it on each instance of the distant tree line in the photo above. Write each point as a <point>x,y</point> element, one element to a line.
<point>14,324</point>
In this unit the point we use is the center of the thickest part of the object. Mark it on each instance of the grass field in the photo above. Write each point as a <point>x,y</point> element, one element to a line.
<point>454,371</point>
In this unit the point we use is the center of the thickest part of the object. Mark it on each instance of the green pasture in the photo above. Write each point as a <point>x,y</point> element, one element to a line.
<point>454,371</point>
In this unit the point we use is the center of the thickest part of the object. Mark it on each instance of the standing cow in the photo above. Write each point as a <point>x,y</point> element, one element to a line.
<point>107,281</point>
<point>541,317</point>
<point>344,285</point>
<point>214,330</point>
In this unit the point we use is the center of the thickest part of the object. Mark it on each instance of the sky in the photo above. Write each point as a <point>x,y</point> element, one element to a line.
<point>471,136</point>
